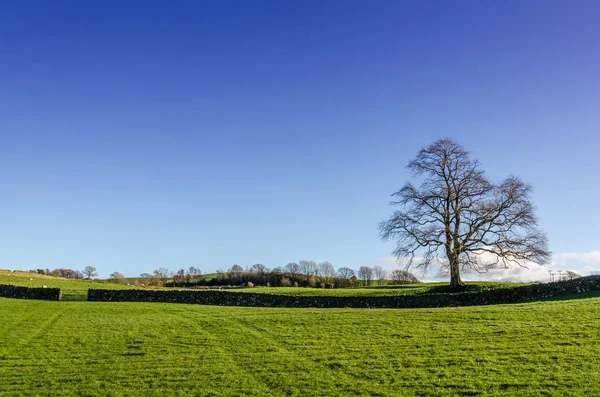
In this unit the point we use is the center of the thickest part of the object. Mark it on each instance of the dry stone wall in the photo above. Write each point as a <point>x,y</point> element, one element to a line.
<point>14,291</point>
<point>224,298</point>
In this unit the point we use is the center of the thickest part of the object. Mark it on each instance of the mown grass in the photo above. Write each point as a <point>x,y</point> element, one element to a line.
<point>152,349</point>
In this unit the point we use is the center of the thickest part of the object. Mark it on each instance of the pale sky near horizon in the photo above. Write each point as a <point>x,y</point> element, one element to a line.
<point>138,135</point>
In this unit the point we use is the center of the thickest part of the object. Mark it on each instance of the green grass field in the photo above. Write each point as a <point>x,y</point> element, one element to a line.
<point>74,290</point>
<point>384,290</point>
<point>152,349</point>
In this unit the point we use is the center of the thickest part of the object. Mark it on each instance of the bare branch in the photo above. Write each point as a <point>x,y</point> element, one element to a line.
<point>457,210</point>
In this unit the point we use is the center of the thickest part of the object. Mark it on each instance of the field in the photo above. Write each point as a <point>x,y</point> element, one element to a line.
<point>384,290</point>
<point>73,290</point>
<point>152,349</point>
<point>77,289</point>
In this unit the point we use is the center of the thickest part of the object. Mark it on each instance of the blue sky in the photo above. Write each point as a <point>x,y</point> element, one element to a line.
<point>137,135</point>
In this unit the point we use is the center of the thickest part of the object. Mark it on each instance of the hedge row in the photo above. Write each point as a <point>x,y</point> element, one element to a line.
<point>223,298</point>
<point>13,291</point>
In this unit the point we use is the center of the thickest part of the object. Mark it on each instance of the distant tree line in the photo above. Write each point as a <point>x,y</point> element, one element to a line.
<point>88,272</point>
<point>304,273</point>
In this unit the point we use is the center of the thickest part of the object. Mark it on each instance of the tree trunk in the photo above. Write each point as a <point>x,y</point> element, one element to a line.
<point>455,281</point>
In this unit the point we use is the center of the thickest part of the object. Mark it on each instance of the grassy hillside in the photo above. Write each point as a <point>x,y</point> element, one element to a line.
<point>152,349</point>
<point>72,289</point>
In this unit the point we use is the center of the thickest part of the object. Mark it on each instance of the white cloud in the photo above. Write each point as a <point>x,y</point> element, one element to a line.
<point>583,263</point>
<point>532,272</point>
<point>389,260</point>
<point>589,258</point>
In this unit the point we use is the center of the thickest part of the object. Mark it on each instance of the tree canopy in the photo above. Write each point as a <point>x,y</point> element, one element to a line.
<point>458,212</point>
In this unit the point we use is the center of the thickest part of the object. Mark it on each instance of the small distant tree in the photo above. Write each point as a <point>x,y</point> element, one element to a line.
<point>194,271</point>
<point>379,274</point>
<point>365,274</point>
<point>571,275</point>
<point>346,273</point>
<point>145,275</point>
<point>179,276</point>
<point>236,269</point>
<point>162,272</point>
<point>90,272</point>
<point>192,274</point>
<point>66,273</point>
<point>159,276</point>
<point>259,268</point>
<point>309,269</point>
<point>117,277</point>
<point>400,276</point>
<point>327,271</point>
<point>293,268</point>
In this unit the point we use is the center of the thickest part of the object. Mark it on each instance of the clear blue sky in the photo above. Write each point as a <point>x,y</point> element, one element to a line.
<point>137,135</point>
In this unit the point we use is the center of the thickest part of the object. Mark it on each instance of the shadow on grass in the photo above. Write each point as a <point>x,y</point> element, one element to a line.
<point>566,297</point>
<point>466,288</point>
<point>399,286</point>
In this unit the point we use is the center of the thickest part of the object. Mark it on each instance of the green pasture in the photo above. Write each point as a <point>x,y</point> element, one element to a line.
<point>383,290</point>
<point>150,349</point>
<point>71,289</point>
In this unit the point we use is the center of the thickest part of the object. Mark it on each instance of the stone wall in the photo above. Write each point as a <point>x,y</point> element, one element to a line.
<point>224,298</point>
<point>13,291</point>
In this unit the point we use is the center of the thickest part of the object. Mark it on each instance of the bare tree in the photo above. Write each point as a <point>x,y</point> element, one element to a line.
<point>327,271</point>
<point>570,275</point>
<point>400,276</point>
<point>458,211</point>
<point>345,276</point>
<point>90,272</point>
<point>365,273</point>
<point>117,277</point>
<point>162,273</point>
<point>179,276</point>
<point>160,276</point>
<point>308,268</point>
<point>259,268</point>
<point>192,274</point>
<point>379,274</point>
<point>194,271</point>
<point>236,269</point>
<point>293,268</point>
<point>69,273</point>
<point>346,273</point>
